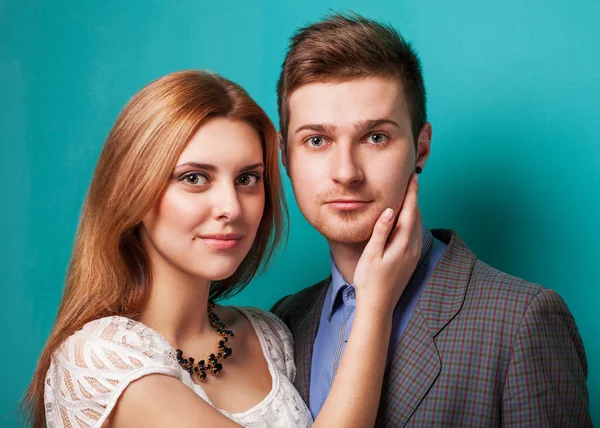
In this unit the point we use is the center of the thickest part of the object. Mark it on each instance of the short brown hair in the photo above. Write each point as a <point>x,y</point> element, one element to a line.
<point>346,46</point>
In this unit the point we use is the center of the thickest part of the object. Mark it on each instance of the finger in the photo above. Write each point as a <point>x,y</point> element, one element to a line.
<point>381,231</point>
<point>417,229</point>
<point>417,234</point>
<point>411,200</point>
<point>405,225</point>
<point>415,222</point>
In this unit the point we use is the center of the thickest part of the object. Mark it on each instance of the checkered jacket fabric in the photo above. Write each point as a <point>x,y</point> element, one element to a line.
<point>481,349</point>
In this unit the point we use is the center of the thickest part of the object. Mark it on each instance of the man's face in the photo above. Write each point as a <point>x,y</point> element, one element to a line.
<point>350,153</point>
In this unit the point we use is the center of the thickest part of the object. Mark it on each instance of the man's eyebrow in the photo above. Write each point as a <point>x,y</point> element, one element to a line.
<point>317,127</point>
<point>369,124</point>
<point>359,126</point>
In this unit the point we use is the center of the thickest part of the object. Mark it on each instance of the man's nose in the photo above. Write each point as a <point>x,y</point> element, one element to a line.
<point>345,166</point>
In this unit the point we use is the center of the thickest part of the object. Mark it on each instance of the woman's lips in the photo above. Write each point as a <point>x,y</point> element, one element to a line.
<point>221,242</point>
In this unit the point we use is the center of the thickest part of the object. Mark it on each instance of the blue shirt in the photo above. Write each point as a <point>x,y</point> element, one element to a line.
<point>338,314</point>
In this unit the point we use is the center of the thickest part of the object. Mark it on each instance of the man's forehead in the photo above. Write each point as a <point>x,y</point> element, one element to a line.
<point>347,102</point>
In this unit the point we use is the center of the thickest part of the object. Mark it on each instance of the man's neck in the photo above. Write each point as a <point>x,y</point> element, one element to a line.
<point>346,258</point>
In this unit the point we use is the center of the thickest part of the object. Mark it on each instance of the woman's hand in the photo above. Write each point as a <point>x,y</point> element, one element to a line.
<point>382,273</point>
<point>386,265</point>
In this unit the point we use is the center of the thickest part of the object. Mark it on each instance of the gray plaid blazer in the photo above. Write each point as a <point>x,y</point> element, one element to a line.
<point>481,349</point>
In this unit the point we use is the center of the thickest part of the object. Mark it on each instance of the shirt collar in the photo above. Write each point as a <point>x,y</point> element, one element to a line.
<point>338,283</point>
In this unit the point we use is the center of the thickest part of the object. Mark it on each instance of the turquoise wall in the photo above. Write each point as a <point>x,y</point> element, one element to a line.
<point>513,98</point>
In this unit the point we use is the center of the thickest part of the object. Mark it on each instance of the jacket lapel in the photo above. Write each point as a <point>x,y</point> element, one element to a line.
<point>304,338</point>
<point>415,366</point>
<point>416,363</point>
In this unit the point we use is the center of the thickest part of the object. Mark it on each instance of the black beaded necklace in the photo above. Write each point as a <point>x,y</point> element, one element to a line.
<point>211,363</point>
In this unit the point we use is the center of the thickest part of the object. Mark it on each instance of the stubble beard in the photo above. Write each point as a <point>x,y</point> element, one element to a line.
<point>346,227</point>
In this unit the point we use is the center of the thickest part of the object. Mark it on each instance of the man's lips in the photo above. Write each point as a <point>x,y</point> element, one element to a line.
<point>221,241</point>
<point>347,204</point>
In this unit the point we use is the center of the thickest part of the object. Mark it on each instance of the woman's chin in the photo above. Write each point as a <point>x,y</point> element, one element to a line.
<point>215,270</point>
<point>219,274</point>
<point>222,277</point>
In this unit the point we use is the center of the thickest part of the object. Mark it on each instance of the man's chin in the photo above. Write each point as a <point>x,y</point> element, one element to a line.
<point>346,234</point>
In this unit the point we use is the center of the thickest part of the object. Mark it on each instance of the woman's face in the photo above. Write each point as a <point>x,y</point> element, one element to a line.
<point>206,220</point>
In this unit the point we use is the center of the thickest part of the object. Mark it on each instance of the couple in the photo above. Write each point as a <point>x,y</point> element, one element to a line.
<point>186,205</point>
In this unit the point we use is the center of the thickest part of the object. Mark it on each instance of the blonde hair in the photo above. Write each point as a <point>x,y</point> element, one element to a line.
<point>109,271</point>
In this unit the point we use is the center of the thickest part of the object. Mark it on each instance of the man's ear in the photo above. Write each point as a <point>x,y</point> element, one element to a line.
<point>424,145</point>
<point>284,156</point>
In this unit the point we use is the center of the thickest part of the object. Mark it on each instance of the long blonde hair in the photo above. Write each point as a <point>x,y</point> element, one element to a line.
<point>109,271</point>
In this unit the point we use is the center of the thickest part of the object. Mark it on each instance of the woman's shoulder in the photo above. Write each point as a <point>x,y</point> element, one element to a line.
<point>119,333</point>
<point>114,346</point>
<point>261,316</point>
<point>276,336</point>
<point>120,341</point>
<point>94,365</point>
<point>266,322</point>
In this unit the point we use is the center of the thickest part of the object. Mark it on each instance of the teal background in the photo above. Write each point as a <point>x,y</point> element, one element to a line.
<point>513,97</point>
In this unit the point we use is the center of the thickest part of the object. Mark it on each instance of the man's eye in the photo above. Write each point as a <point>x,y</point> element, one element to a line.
<point>316,141</point>
<point>194,178</point>
<point>377,138</point>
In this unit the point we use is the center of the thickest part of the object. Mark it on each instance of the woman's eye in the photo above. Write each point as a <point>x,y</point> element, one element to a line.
<point>194,178</point>
<point>377,138</point>
<point>248,179</point>
<point>316,141</point>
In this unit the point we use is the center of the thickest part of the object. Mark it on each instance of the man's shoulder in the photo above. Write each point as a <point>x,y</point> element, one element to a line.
<point>295,306</point>
<point>466,295</point>
<point>506,298</point>
<point>463,284</point>
<point>497,283</point>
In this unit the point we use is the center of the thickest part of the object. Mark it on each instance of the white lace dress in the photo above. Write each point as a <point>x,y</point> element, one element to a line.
<point>92,368</point>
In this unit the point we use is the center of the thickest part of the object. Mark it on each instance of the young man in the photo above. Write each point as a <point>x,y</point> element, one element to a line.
<point>471,346</point>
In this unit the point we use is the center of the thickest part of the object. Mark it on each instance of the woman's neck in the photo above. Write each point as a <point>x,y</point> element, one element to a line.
<point>177,305</point>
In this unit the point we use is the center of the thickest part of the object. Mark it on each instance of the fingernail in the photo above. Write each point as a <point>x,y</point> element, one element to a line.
<point>387,215</point>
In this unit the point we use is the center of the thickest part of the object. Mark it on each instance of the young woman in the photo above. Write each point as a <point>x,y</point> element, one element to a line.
<point>184,207</point>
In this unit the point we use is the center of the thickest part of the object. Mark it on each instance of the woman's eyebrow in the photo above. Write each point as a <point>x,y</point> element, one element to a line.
<point>205,166</point>
<point>253,166</point>
<point>209,167</point>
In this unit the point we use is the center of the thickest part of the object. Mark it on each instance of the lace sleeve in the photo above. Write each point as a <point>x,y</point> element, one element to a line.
<point>280,342</point>
<point>92,368</point>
